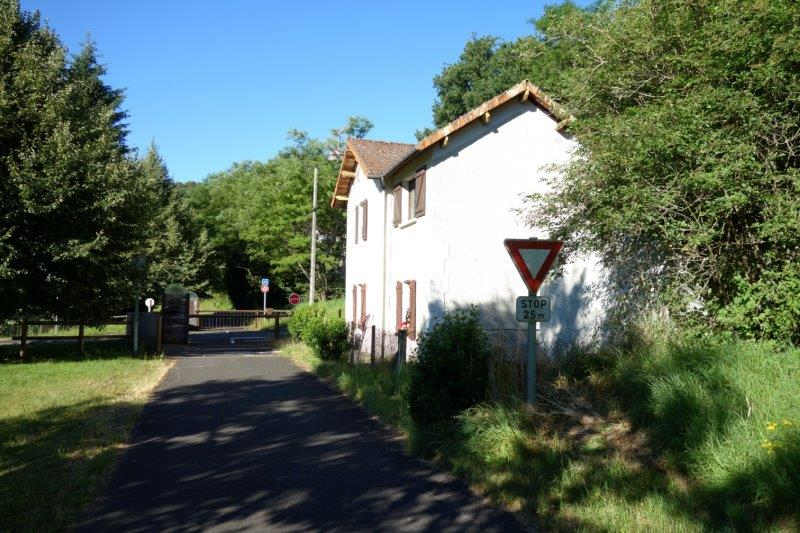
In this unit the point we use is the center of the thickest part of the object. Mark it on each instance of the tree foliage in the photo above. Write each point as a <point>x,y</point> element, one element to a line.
<point>258,216</point>
<point>75,204</point>
<point>686,180</point>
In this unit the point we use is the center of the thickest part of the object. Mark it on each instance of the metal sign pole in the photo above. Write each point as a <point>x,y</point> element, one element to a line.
<point>531,358</point>
<point>265,300</point>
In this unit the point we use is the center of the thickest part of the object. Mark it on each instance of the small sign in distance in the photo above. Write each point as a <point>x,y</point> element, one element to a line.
<point>533,309</point>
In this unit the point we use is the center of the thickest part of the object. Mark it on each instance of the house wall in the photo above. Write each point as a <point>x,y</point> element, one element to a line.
<point>364,260</point>
<point>455,251</point>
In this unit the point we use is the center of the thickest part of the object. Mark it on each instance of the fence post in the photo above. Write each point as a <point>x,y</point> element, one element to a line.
<point>23,338</point>
<point>277,326</point>
<point>372,347</point>
<point>81,345</point>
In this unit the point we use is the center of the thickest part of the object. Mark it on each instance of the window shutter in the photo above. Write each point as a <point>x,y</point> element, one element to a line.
<point>355,304</point>
<point>419,194</point>
<point>399,303</point>
<point>356,232</point>
<point>363,303</point>
<point>412,310</point>
<point>398,204</point>
<point>364,224</point>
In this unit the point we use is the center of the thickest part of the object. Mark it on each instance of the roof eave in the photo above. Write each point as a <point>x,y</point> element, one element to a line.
<point>525,89</point>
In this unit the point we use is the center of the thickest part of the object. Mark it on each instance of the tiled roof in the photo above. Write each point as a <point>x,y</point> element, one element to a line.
<point>377,157</point>
<point>380,159</point>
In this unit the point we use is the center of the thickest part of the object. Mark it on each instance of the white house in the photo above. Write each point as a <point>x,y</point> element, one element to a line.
<point>426,224</point>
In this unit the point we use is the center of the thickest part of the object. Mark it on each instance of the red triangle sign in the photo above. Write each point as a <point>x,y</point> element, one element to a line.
<point>533,259</point>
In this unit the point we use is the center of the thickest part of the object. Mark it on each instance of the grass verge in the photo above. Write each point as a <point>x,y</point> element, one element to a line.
<point>62,425</point>
<point>668,433</point>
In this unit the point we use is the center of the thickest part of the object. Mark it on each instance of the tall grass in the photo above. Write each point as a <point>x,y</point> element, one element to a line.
<point>725,413</point>
<point>667,432</point>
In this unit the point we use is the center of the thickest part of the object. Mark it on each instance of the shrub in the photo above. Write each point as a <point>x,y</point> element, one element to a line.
<point>302,320</point>
<point>327,337</point>
<point>452,372</point>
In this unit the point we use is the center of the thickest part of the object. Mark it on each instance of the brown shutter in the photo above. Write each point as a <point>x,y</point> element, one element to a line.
<point>399,303</point>
<point>356,236</point>
<point>412,310</point>
<point>363,303</point>
<point>364,223</point>
<point>398,204</point>
<point>419,194</point>
<point>355,304</point>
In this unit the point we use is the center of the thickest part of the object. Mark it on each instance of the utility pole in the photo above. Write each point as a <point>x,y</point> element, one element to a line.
<point>313,241</point>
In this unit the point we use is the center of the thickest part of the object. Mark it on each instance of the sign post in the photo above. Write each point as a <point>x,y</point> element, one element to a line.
<point>264,291</point>
<point>533,259</point>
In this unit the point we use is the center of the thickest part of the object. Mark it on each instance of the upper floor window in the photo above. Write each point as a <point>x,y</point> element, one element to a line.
<point>361,217</point>
<point>409,198</point>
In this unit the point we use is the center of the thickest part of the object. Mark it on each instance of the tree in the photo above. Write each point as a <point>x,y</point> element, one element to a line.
<point>178,249</point>
<point>258,216</point>
<point>686,178</point>
<point>69,222</point>
<point>78,211</point>
<point>487,66</point>
<point>688,174</point>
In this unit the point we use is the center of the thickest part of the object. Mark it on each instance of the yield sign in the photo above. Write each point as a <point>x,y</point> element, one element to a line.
<point>533,259</point>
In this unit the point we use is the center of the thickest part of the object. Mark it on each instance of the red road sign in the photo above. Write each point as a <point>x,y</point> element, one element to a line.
<point>533,259</point>
<point>265,288</point>
<point>294,298</point>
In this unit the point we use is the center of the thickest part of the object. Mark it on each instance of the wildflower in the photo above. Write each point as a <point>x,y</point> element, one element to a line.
<point>772,426</point>
<point>787,423</point>
<point>767,444</point>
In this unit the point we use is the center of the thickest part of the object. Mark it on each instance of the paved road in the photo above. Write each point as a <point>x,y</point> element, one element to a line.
<point>239,439</point>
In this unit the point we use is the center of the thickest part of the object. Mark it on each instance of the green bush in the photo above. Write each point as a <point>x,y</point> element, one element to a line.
<point>302,320</point>
<point>327,337</point>
<point>452,372</point>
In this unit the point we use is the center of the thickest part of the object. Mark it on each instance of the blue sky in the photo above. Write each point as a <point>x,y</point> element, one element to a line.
<point>217,82</point>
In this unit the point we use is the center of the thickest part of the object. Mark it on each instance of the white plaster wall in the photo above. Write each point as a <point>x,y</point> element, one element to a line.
<point>455,252</point>
<point>364,260</point>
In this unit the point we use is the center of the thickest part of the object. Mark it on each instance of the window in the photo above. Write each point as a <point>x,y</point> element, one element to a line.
<point>364,221</point>
<point>360,226</point>
<point>411,186</point>
<point>409,199</point>
<point>406,315</point>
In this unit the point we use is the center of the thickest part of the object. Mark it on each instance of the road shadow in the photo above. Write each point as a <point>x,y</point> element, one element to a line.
<point>275,450</point>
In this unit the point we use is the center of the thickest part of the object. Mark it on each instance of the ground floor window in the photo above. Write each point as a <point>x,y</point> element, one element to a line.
<point>406,307</point>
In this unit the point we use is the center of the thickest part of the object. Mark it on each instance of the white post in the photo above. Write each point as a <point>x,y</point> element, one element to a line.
<point>313,269</point>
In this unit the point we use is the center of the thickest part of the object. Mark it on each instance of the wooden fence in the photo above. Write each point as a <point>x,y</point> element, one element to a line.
<point>28,330</point>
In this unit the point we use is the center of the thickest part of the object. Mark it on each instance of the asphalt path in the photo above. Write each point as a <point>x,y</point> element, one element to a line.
<point>237,438</point>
